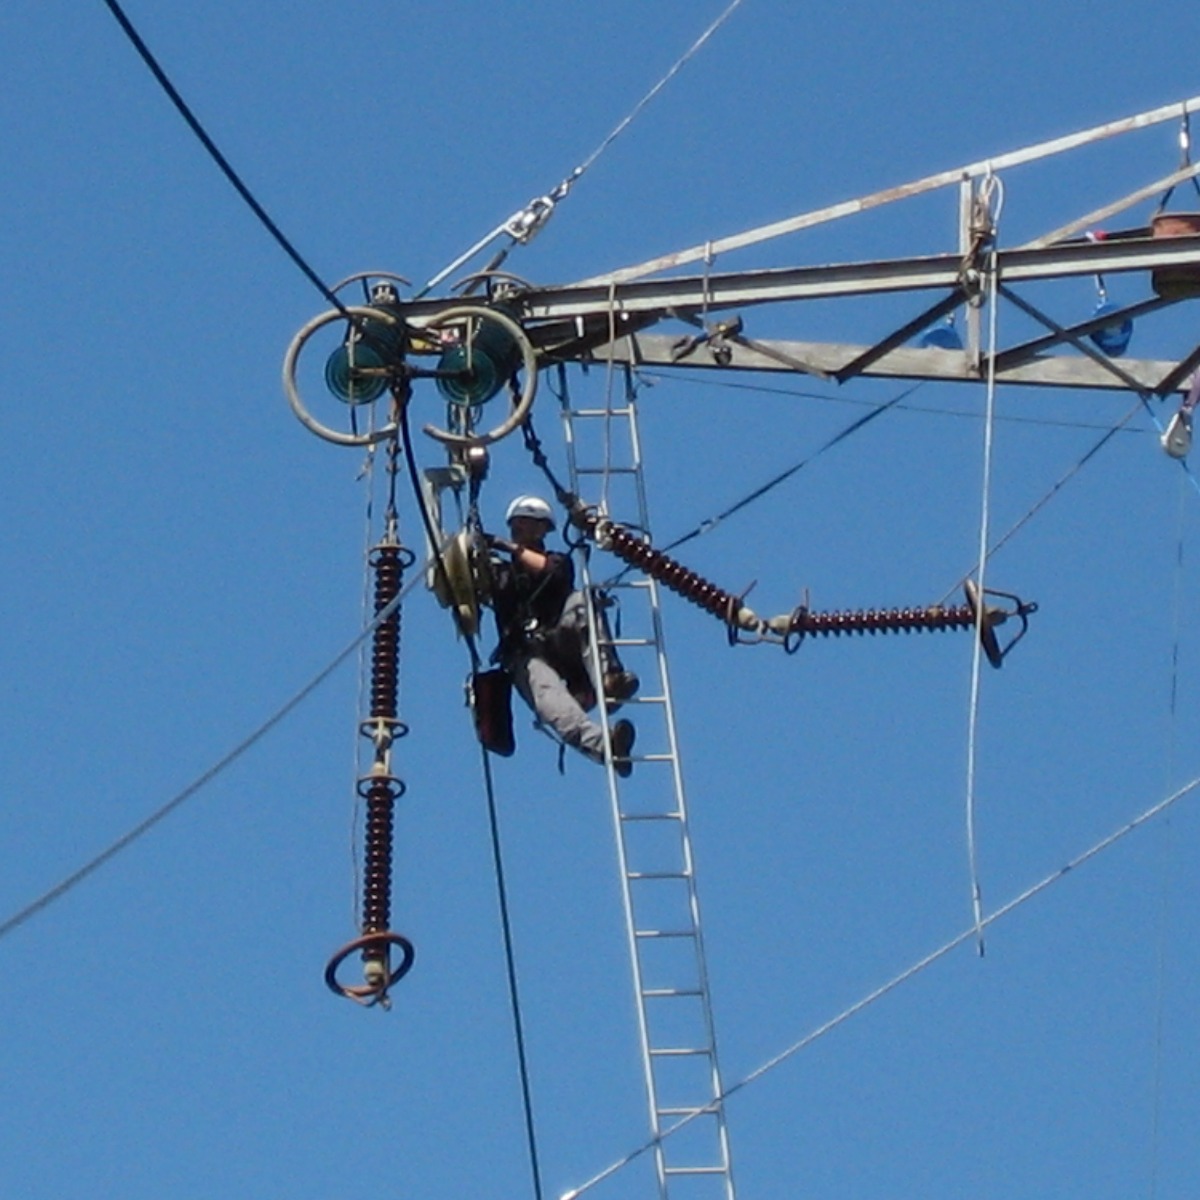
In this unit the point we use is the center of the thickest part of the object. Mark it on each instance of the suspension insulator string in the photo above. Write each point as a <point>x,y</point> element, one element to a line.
<point>790,629</point>
<point>380,788</point>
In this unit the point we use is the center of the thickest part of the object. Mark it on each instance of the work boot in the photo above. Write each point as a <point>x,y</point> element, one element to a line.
<point>619,686</point>
<point>622,735</point>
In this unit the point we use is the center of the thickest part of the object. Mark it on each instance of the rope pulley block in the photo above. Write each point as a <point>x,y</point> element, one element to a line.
<point>462,581</point>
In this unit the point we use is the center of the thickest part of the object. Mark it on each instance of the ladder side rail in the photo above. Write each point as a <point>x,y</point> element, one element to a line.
<point>681,802</point>
<point>649,1082</point>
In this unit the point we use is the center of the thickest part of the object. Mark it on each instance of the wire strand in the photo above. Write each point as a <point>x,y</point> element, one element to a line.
<point>710,523</point>
<point>439,563</point>
<point>896,981</point>
<point>635,112</point>
<point>540,215</point>
<point>511,971</point>
<point>1059,484</point>
<point>143,827</point>
<point>655,377</point>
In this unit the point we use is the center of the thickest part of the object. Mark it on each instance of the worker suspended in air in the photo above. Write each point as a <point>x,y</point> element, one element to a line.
<point>541,621</point>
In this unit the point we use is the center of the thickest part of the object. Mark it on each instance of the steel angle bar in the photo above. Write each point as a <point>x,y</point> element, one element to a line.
<point>1069,335</point>
<point>1175,379</point>
<point>1026,351</point>
<point>906,362</point>
<point>846,208</point>
<point>946,305</point>
<point>1110,210</point>
<point>780,284</point>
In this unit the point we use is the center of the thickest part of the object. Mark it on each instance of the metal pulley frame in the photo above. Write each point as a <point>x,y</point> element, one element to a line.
<point>453,325</point>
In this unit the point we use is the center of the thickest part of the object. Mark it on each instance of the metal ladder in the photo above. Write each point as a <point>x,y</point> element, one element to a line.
<point>662,911</point>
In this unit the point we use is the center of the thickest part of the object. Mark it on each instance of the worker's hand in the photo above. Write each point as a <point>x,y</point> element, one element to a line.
<point>496,543</point>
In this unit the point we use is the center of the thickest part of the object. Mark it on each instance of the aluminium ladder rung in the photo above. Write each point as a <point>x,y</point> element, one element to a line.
<point>671,957</point>
<point>597,412</point>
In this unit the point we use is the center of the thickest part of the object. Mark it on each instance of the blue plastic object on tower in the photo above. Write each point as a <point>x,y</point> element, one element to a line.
<point>1112,339</point>
<point>941,337</point>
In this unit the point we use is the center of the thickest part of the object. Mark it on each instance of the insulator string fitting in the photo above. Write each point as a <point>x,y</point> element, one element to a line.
<point>790,629</point>
<point>975,613</point>
<point>388,563</point>
<point>380,789</point>
<point>627,546</point>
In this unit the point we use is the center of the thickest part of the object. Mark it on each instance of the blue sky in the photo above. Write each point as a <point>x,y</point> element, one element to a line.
<point>179,557</point>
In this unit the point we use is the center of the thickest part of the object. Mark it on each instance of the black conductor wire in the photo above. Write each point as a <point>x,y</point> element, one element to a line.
<point>226,169</point>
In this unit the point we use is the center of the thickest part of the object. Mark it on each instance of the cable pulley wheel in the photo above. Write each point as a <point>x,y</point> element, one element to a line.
<point>362,313</point>
<point>465,312</point>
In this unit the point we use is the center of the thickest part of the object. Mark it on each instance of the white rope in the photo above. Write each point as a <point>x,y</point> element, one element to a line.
<point>893,983</point>
<point>977,658</point>
<point>1166,859</point>
<point>608,394</point>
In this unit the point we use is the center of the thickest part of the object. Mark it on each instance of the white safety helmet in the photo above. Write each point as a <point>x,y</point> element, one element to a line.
<point>530,506</point>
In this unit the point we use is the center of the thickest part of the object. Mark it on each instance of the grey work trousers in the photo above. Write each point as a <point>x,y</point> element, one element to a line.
<point>545,691</point>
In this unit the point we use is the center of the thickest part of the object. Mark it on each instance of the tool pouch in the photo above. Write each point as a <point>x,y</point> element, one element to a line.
<point>491,700</point>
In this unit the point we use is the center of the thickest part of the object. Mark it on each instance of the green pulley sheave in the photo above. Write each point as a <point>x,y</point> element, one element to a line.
<point>357,371</point>
<point>484,359</point>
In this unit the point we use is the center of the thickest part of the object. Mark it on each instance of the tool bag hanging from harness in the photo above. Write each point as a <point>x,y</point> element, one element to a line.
<point>491,703</point>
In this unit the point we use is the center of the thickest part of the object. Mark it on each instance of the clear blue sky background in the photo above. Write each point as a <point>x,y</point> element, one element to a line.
<point>178,556</point>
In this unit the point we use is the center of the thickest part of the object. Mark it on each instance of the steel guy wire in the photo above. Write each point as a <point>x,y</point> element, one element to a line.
<point>896,981</point>
<point>1059,484</point>
<point>524,223</point>
<point>656,377</point>
<point>708,525</point>
<point>127,839</point>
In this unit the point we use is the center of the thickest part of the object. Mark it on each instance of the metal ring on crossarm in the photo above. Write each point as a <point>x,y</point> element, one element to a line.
<point>528,360</point>
<point>310,422</point>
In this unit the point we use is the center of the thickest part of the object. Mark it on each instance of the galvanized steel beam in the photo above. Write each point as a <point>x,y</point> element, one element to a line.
<point>655,350</point>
